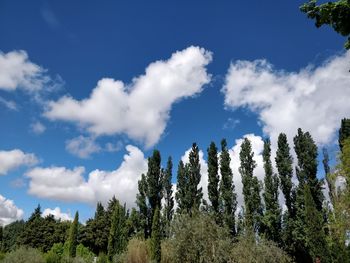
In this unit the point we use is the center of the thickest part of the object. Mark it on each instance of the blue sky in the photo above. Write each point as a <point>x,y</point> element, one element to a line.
<point>67,47</point>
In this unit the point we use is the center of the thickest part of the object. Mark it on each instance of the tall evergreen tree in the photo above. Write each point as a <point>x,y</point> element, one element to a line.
<point>306,151</point>
<point>194,193</point>
<point>227,195</point>
<point>344,132</point>
<point>181,188</point>
<point>117,239</point>
<point>251,187</point>
<point>154,182</point>
<point>168,194</point>
<point>284,163</point>
<point>156,237</point>
<point>213,177</point>
<point>272,216</point>
<point>73,236</point>
<point>141,201</point>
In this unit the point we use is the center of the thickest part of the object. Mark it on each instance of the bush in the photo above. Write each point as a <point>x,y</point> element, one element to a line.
<point>24,255</point>
<point>84,253</point>
<point>197,239</point>
<point>137,251</point>
<point>55,254</point>
<point>247,250</point>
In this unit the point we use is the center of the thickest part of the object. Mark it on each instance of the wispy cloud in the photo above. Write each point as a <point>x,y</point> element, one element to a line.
<point>11,105</point>
<point>50,17</point>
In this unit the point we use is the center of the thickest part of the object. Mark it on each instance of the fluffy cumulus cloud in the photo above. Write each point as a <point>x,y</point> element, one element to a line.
<point>58,214</point>
<point>64,184</point>
<point>82,146</point>
<point>17,71</point>
<point>140,109</point>
<point>10,160</point>
<point>314,99</point>
<point>9,212</point>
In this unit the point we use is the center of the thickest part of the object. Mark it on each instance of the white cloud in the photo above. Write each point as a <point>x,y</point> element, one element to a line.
<point>17,71</point>
<point>13,159</point>
<point>37,127</point>
<point>58,214</point>
<point>82,146</point>
<point>314,99</point>
<point>140,109</point>
<point>60,183</point>
<point>9,212</point>
<point>11,105</point>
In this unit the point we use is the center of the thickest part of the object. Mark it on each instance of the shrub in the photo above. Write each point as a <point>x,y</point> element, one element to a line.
<point>247,250</point>
<point>24,255</point>
<point>137,251</point>
<point>55,254</point>
<point>197,239</point>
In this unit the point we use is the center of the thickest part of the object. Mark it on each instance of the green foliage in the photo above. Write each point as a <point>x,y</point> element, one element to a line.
<point>198,239</point>
<point>156,237</point>
<point>306,151</point>
<point>168,196</point>
<point>24,255</point>
<point>154,182</point>
<point>284,163</point>
<point>55,254</point>
<point>251,187</point>
<point>315,236</point>
<point>102,258</point>
<point>228,198</point>
<point>117,239</point>
<point>73,235</point>
<point>213,177</point>
<point>247,250</point>
<point>142,205</point>
<point>344,132</point>
<point>335,14</point>
<point>194,194</point>
<point>182,185</point>
<point>11,234</point>
<point>272,216</point>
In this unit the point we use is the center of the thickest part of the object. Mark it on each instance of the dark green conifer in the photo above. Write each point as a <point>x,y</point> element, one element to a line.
<point>272,216</point>
<point>227,195</point>
<point>213,177</point>
<point>73,236</point>
<point>156,237</point>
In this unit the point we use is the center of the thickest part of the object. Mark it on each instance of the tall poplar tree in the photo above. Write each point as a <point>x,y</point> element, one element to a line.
<point>168,194</point>
<point>284,164</point>
<point>141,201</point>
<point>251,187</point>
<point>228,197</point>
<point>194,193</point>
<point>272,216</point>
<point>73,236</point>
<point>181,188</point>
<point>154,182</point>
<point>213,177</point>
<point>306,171</point>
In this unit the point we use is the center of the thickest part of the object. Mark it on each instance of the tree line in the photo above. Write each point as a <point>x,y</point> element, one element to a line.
<point>308,227</point>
